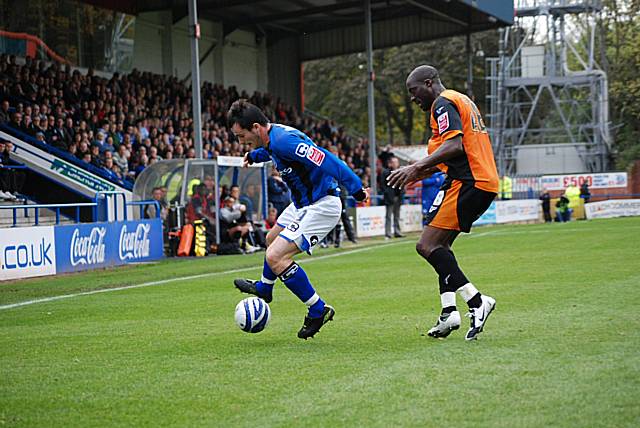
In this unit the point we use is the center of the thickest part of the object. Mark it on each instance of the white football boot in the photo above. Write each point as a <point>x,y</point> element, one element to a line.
<point>445,325</point>
<point>479,317</point>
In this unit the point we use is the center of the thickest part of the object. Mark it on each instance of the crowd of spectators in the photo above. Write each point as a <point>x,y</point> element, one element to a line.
<point>129,121</point>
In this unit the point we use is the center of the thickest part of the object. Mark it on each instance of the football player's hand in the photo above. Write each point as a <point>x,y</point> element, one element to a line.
<point>403,176</point>
<point>246,161</point>
<point>367,192</point>
<point>362,195</point>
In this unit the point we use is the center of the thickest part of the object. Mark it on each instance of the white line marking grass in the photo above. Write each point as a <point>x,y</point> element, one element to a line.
<point>537,229</point>
<point>190,277</point>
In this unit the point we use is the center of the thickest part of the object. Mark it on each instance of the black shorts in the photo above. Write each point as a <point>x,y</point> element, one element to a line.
<point>457,205</point>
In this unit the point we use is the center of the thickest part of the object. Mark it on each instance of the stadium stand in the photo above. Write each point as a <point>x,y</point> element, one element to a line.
<point>115,127</point>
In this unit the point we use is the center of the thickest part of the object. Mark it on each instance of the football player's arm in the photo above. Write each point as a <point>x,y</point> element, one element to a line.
<point>317,157</point>
<point>450,129</point>
<point>256,156</point>
<point>333,166</point>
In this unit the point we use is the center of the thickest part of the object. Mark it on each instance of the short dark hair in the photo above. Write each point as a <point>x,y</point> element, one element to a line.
<point>245,114</point>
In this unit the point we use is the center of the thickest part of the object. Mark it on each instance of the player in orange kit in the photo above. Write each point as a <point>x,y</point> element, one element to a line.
<point>461,148</point>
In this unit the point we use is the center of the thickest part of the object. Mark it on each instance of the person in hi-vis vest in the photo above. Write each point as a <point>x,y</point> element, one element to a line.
<point>506,188</point>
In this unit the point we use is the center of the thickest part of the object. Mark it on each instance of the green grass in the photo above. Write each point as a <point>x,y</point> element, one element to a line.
<point>562,348</point>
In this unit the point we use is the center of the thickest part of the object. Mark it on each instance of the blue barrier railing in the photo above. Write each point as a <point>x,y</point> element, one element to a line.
<point>57,208</point>
<point>111,199</point>
<point>54,207</point>
<point>143,204</point>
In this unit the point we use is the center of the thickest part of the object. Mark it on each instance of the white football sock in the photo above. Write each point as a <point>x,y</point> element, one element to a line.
<point>467,291</point>
<point>448,299</point>
<point>267,280</point>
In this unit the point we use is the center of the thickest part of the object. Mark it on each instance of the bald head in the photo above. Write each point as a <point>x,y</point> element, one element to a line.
<point>424,85</point>
<point>422,73</point>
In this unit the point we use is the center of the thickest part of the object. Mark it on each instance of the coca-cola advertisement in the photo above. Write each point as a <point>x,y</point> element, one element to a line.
<point>95,245</point>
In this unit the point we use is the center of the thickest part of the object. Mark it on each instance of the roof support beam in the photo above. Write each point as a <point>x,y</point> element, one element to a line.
<point>305,12</point>
<point>436,12</point>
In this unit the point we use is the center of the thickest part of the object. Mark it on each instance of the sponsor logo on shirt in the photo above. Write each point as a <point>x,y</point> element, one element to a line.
<point>315,155</point>
<point>302,149</point>
<point>443,122</point>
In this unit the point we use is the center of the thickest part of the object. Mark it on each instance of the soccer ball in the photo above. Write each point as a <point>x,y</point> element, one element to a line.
<point>252,315</point>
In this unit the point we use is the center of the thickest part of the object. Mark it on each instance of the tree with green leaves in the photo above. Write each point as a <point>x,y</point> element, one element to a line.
<point>336,87</point>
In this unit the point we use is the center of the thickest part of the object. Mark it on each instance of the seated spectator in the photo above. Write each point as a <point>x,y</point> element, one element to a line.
<point>141,163</point>
<point>95,156</point>
<point>150,210</point>
<point>271,219</point>
<point>5,114</point>
<point>563,212</point>
<point>230,228</point>
<point>245,204</point>
<point>121,158</point>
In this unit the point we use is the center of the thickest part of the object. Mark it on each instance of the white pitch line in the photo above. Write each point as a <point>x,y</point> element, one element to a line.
<point>185,278</point>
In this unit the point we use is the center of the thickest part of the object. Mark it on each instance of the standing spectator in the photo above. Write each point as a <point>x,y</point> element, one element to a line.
<point>5,176</point>
<point>392,201</point>
<point>545,197</point>
<point>385,155</point>
<point>573,195</point>
<point>336,233</point>
<point>278,192</point>
<point>584,192</point>
<point>11,180</point>
<point>505,188</point>
<point>201,206</point>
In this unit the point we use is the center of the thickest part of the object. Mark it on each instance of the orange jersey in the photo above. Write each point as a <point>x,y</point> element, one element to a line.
<point>453,114</point>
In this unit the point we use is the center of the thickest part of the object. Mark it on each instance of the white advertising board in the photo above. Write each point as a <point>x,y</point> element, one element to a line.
<point>27,252</point>
<point>613,208</point>
<point>411,218</point>
<point>517,210</point>
<point>595,181</point>
<point>370,220</point>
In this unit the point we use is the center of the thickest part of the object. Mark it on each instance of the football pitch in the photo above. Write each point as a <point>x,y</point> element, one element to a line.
<point>561,349</point>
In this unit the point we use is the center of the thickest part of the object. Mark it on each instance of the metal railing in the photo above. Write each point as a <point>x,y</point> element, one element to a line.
<point>54,207</point>
<point>57,208</point>
<point>142,205</point>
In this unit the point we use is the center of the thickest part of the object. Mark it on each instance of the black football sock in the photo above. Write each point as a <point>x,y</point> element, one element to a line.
<point>475,301</point>
<point>445,264</point>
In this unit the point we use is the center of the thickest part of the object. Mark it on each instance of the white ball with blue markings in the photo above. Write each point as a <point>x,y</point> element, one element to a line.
<point>252,315</point>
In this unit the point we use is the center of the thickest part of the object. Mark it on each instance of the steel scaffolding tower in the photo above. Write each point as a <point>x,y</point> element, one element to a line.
<point>546,91</point>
